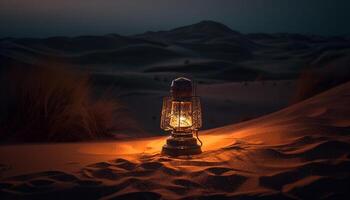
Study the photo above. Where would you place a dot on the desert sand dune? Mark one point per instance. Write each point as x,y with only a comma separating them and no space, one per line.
301,152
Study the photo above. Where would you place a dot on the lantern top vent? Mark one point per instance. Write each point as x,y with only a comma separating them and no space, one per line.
181,87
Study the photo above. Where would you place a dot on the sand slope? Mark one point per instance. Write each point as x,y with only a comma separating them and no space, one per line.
301,152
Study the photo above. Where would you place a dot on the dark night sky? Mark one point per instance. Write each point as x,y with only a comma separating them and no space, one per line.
42,18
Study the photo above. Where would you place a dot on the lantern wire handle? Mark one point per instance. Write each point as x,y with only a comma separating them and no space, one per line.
200,141
194,88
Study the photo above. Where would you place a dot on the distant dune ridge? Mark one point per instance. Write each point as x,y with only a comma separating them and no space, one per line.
204,40
300,152
271,56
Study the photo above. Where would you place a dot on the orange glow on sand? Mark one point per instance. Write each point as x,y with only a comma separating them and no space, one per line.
152,145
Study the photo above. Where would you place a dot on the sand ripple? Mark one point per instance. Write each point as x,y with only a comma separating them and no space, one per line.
292,154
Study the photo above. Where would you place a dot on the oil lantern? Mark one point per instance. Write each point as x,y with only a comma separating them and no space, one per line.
182,116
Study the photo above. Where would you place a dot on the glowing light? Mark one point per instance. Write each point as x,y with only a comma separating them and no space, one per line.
181,114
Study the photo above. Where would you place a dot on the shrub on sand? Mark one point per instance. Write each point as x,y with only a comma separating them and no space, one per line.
53,104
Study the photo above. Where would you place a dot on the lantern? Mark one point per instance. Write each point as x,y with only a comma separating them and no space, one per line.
181,114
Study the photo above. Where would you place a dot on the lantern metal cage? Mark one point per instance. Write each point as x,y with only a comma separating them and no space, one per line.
181,115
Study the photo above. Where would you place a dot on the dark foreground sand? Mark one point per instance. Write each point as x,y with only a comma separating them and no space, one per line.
301,152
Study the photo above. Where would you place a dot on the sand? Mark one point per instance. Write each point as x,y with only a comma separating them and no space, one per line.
301,152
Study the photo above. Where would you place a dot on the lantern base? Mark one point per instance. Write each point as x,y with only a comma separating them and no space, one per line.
180,146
